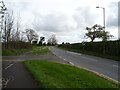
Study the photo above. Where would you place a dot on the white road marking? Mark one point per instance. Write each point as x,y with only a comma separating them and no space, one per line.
71,63
6,82
116,66
60,57
74,53
64,59
8,66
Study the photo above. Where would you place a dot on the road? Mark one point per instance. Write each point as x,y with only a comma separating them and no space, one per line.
104,67
14,74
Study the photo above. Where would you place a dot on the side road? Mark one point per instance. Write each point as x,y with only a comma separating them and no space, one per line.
14,73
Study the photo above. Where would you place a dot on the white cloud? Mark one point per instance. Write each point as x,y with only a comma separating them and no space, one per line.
66,18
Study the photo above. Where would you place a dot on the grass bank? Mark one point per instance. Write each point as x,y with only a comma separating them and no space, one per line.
9,52
56,75
40,50
35,50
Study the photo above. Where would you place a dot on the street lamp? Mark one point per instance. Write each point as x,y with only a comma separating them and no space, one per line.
103,15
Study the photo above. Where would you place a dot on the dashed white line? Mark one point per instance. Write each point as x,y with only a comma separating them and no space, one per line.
8,66
71,63
116,66
74,53
64,59
60,57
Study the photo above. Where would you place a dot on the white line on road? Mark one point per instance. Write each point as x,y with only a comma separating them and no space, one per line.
71,63
64,59
8,66
116,66
60,57
74,53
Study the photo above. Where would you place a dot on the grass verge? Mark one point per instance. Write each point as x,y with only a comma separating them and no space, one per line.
40,50
9,52
56,75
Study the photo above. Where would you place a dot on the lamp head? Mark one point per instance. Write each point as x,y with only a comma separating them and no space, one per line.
97,7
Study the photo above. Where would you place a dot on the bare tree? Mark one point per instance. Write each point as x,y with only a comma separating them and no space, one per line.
31,35
52,40
17,33
8,26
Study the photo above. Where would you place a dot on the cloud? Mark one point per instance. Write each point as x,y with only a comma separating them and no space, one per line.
54,22
66,18
85,16
112,15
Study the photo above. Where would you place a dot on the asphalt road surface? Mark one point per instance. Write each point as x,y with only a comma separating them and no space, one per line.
14,74
105,67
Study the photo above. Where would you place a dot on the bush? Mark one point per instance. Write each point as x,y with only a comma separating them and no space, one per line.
111,48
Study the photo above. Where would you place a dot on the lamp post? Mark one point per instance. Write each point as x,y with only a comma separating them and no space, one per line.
103,15
104,26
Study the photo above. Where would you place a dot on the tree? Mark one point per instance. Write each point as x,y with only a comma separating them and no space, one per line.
8,26
52,40
97,31
31,35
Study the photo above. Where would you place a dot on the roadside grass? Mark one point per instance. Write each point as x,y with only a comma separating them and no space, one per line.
35,50
40,50
9,52
56,75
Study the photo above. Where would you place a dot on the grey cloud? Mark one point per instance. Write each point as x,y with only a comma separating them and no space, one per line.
54,22
112,15
85,16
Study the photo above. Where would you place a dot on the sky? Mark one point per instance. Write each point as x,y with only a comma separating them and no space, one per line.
67,19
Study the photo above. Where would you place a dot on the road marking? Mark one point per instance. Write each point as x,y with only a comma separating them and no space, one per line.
74,53
64,59
71,63
60,57
8,66
116,66
6,80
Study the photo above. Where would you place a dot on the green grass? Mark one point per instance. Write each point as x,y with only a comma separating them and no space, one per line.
56,75
39,50
9,52
35,51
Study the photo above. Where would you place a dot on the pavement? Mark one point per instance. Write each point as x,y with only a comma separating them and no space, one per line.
106,68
